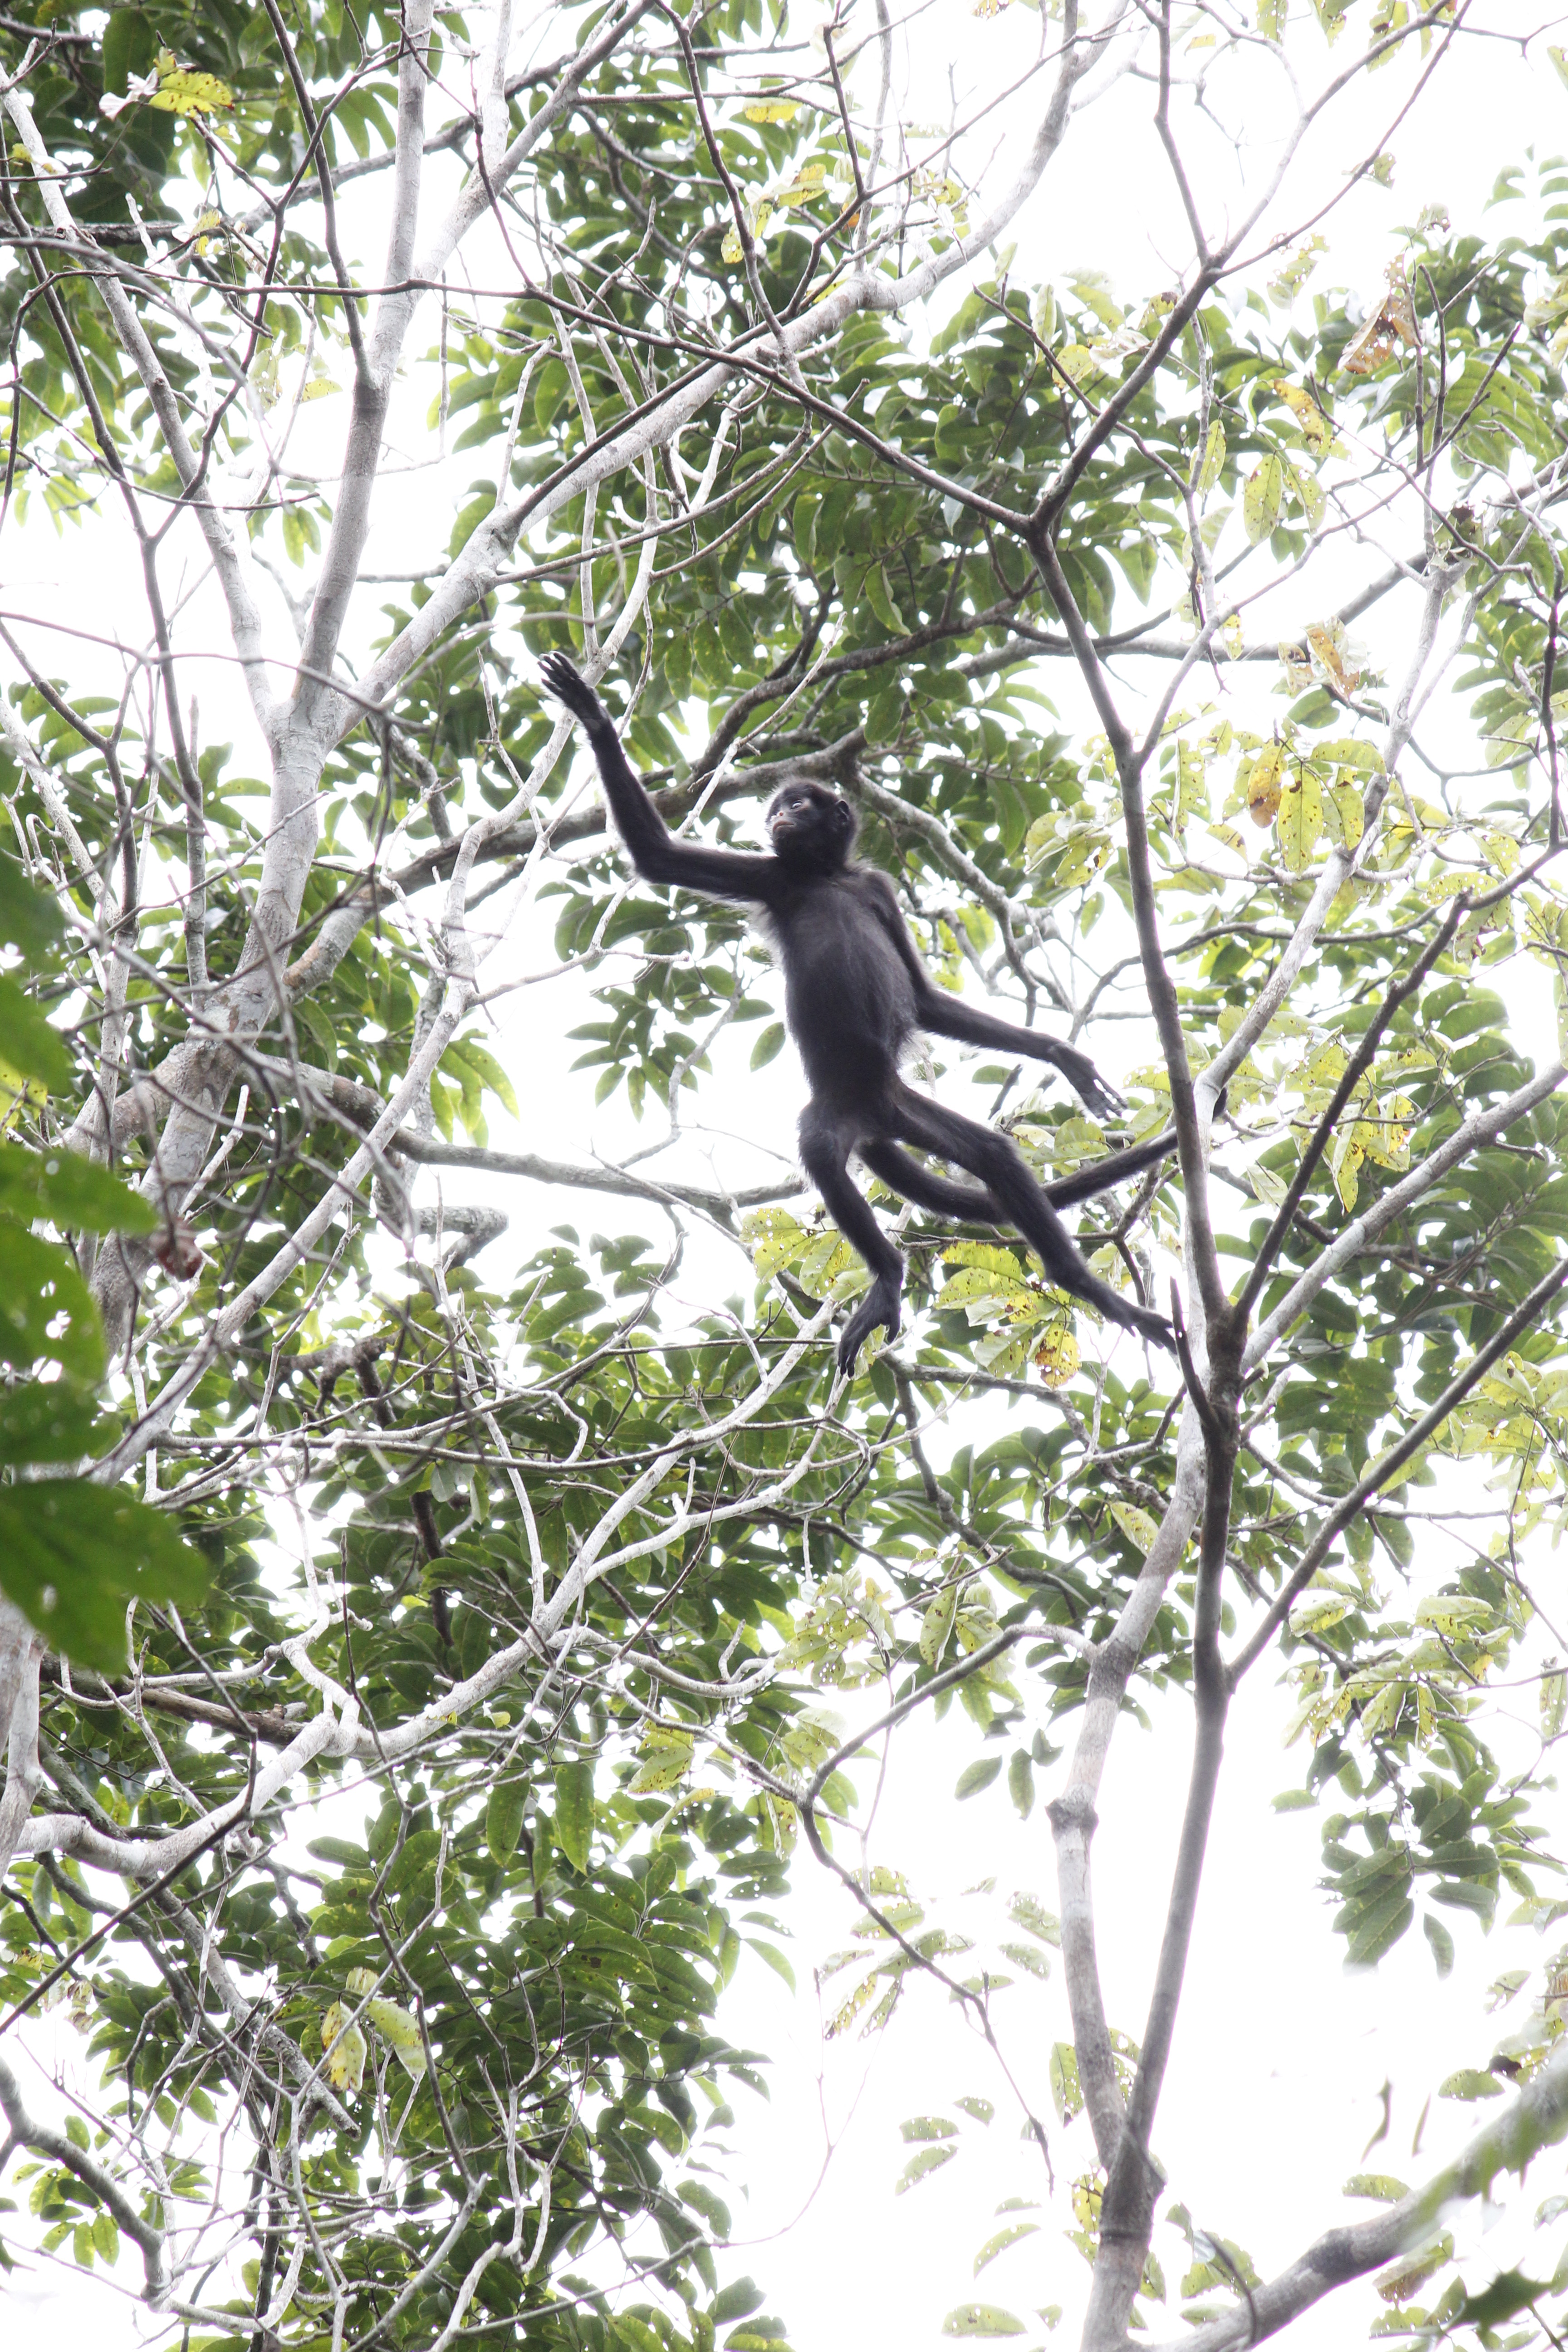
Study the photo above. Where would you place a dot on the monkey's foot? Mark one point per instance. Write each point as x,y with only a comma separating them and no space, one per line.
881,1303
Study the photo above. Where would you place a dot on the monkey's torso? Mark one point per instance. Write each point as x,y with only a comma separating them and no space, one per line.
850,993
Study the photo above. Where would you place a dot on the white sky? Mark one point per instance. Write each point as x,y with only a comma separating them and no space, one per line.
1279,2055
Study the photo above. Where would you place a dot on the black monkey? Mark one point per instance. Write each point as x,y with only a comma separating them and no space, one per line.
855,992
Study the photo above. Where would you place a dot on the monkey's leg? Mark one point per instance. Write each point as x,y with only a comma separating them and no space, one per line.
927,1189
826,1143
1003,1171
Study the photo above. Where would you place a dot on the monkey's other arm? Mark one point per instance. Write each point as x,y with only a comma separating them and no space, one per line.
653,850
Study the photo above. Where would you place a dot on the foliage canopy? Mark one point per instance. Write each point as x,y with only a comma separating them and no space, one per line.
1192,657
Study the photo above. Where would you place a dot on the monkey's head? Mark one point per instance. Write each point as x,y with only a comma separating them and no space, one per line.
812,830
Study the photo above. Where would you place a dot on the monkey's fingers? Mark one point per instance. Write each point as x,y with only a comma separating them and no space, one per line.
564,681
1085,1082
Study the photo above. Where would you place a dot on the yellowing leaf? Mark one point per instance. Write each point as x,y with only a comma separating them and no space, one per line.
400,2029
396,2025
1300,820
346,2043
1263,785
666,1757
1308,492
1315,1612
1394,322
772,109
18,1093
807,185
1260,498
320,387
1306,412
263,376
1213,457
1092,288
1077,363
1331,651
1135,1525
1454,1613
1057,1357
1343,814
1287,282
1298,667
182,93
774,1238
757,218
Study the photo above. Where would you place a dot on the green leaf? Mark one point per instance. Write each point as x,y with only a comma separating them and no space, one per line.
46,1313
1381,2185
73,1554
980,2319
937,1624
28,919
503,1820
28,1047
738,2301
1442,1943
879,596
1021,1781
47,1420
768,1045
70,1191
1469,2082
1067,2096
774,1959
929,2160
574,1812
977,1776
1510,2292
1001,2240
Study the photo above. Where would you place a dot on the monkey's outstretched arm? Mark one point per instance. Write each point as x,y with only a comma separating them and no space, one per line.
950,1017
651,847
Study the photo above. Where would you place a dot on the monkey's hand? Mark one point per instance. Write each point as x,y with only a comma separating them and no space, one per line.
564,681
1085,1081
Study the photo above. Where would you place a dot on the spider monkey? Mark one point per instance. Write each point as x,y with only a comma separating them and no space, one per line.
856,992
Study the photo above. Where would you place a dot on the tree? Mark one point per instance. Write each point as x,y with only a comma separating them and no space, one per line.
536,1575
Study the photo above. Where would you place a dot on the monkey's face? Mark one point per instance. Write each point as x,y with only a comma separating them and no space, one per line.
811,829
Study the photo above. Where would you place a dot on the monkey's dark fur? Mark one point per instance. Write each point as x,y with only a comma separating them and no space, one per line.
856,992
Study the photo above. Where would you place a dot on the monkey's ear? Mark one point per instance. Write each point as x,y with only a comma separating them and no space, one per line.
844,818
